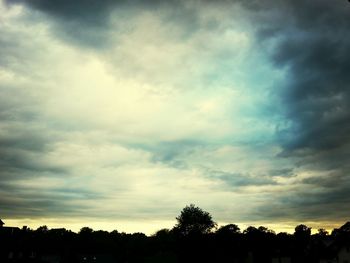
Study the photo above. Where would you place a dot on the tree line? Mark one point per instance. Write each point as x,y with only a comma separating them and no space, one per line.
194,238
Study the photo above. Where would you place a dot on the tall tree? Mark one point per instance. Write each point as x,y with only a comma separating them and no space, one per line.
193,220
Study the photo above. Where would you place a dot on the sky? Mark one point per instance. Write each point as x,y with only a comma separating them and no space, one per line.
118,114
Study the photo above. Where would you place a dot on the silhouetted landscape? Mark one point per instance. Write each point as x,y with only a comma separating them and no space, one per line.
195,238
116,114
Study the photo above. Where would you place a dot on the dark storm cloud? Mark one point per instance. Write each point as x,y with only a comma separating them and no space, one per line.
82,22
88,22
311,43
87,12
309,39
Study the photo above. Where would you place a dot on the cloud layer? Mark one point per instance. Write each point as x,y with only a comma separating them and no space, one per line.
129,111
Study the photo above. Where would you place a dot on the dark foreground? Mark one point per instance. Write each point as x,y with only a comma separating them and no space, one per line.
227,244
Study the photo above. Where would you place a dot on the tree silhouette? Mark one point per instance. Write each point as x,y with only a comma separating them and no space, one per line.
302,231
86,231
322,232
193,220
196,243
42,229
228,230
345,227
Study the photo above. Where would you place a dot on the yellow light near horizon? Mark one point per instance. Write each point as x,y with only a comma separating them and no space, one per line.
150,227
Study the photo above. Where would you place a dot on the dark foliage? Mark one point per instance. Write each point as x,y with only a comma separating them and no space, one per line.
189,241
193,220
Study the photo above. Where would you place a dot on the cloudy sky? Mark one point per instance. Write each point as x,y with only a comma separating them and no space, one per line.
117,114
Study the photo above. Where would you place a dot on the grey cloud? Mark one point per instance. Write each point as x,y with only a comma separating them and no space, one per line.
37,202
23,146
18,55
285,172
80,22
23,161
24,140
237,180
87,23
34,207
307,204
88,11
329,181
173,153
324,196
18,163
